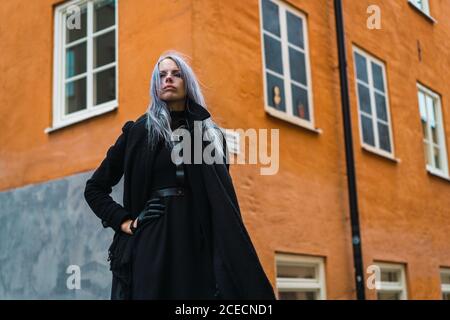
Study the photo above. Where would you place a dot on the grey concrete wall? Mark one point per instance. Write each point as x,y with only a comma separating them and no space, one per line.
44,229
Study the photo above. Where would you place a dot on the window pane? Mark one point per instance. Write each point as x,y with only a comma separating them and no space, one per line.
422,106
76,25
380,102
385,295
434,134
446,296
445,278
272,50
300,295
390,276
297,66
104,15
300,106
271,19
275,92
303,272
383,132
423,114
105,49
361,68
426,147
431,104
367,130
437,158
424,130
364,99
76,60
105,86
295,29
430,111
377,74
75,95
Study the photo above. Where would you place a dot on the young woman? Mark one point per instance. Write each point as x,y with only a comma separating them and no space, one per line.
179,233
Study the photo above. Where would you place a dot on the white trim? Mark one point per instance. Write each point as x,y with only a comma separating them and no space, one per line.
445,287
425,7
400,286
292,119
444,172
288,115
105,108
439,174
317,285
381,153
233,141
425,10
60,119
374,117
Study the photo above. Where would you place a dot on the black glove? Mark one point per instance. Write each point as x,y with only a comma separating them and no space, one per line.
154,208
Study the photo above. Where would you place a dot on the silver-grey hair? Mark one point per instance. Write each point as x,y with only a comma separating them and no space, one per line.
158,116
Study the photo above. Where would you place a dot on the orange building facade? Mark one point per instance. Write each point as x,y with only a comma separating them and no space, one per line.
263,64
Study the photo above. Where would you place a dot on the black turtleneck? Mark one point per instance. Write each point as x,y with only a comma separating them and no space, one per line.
178,118
164,170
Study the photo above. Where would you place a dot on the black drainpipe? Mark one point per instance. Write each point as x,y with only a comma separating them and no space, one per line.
350,163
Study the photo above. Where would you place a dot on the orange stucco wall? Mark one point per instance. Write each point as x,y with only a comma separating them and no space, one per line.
303,209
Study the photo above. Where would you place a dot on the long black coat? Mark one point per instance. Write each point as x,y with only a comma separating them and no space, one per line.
237,269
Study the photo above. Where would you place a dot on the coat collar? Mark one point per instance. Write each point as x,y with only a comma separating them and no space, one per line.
196,111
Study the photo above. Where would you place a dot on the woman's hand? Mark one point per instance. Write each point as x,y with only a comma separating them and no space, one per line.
126,226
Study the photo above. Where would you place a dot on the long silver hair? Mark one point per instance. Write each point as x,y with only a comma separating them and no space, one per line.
158,115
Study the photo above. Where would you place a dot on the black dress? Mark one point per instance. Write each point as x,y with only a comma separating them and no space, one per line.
171,257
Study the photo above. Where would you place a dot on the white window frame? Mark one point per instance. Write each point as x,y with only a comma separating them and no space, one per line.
445,288
288,114
423,6
61,120
382,286
233,140
423,9
440,131
375,149
299,285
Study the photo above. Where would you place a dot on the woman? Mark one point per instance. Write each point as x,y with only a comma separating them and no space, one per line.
179,233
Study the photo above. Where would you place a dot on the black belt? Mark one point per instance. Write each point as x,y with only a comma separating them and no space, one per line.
166,192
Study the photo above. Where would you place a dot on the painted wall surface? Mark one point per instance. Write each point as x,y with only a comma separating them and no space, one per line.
303,209
49,239
404,210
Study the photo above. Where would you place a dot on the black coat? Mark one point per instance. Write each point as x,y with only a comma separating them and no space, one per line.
237,269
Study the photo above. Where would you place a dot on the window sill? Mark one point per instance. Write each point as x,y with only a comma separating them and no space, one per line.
297,121
438,174
108,108
380,153
426,15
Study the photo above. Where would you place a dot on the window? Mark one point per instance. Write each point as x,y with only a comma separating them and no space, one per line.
373,104
422,5
287,79
390,282
85,60
300,277
445,283
433,131
233,140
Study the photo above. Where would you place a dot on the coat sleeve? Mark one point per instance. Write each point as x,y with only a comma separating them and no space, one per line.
99,186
